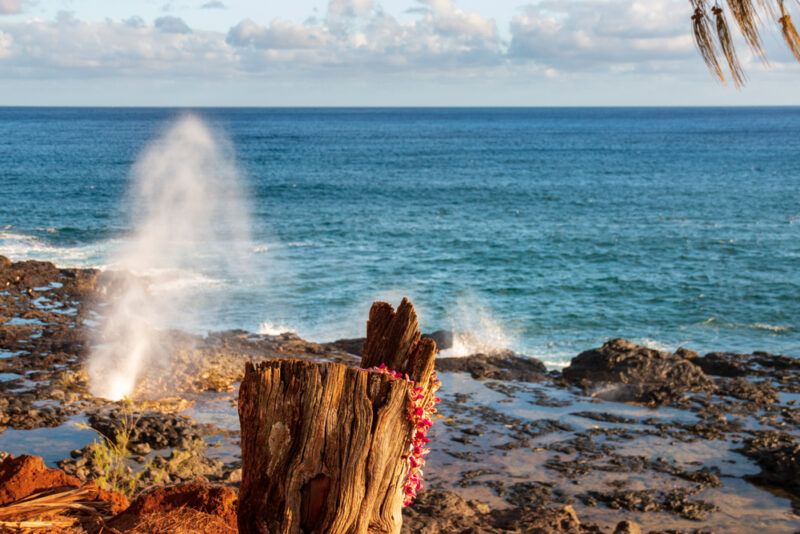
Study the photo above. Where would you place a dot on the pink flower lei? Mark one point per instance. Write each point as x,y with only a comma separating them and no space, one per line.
420,415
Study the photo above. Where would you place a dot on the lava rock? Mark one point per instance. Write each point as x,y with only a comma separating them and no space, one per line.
446,512
350,346
721,364
504,365
626,372
443,338
778,456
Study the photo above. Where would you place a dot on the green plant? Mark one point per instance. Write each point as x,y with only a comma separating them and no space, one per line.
110,456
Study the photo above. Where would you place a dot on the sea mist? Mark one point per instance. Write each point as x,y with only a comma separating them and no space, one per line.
190,229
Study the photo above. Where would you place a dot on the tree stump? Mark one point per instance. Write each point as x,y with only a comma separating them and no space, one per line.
332,449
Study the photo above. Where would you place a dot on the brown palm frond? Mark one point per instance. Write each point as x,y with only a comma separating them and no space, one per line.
746,17
704,41
725,43
789,32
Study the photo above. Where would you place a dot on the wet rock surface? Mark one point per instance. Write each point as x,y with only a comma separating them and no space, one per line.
671,442
503,365
674,501
778,456
625,372
157,430
440,512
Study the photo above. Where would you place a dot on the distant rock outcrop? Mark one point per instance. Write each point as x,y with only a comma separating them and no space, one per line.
503,365
626,372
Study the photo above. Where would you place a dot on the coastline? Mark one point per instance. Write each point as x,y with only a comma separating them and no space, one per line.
674,442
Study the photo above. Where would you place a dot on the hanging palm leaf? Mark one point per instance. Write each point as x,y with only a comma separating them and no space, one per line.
746,17
789,32
704,41
725,43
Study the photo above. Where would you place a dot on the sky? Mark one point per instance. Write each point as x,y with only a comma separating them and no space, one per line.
370,53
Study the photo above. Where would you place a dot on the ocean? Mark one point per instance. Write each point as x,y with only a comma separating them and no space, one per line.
547,231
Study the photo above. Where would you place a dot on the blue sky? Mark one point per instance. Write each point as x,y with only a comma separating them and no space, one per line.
366,52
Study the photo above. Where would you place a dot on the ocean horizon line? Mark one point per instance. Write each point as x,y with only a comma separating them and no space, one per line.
400,107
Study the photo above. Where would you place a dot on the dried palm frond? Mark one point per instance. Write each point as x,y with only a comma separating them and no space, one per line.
746,17
56,509
725,43
703,39
789,32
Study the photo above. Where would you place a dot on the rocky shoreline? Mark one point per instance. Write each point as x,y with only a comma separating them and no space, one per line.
667,442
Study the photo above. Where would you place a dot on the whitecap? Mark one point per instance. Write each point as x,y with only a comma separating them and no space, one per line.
772,327
268,328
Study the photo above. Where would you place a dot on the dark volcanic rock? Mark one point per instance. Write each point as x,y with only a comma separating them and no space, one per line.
720,364
443,338
778,456
504,365
156,429
445,512
675,501
350,346
636,373
761,393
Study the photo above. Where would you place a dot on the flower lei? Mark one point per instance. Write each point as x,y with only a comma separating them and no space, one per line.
419,414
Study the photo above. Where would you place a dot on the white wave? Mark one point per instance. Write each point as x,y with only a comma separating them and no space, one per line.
757,326
772,327
654,344
268,328
475,330
19,247
555,364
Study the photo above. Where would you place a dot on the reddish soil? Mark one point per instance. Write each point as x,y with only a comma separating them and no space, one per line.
24,476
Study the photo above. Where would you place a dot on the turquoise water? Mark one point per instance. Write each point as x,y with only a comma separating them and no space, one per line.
546,230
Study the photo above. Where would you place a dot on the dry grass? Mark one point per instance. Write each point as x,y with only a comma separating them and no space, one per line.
181,521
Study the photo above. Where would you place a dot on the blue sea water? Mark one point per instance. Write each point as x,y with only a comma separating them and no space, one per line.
546,230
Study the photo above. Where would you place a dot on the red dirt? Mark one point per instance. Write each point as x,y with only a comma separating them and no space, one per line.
23,476
119,502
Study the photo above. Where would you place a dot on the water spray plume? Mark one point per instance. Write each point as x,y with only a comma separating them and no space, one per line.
475,329
190,224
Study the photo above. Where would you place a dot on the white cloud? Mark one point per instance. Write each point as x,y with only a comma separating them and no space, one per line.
278,35
67,47
5,45
11,7
172,25
358,39
214,4
591,36
356,34
452,21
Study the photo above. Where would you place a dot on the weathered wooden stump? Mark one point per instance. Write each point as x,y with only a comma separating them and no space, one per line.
331,449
